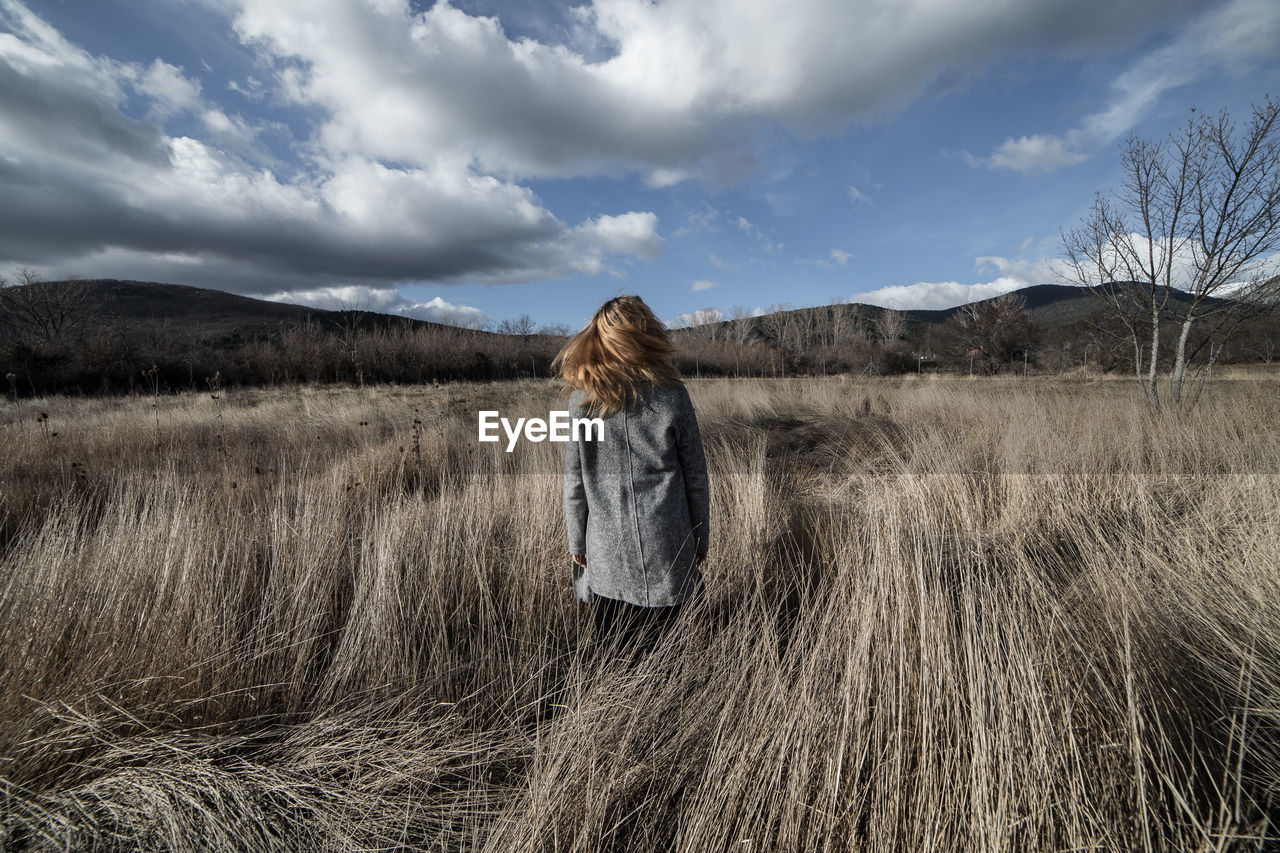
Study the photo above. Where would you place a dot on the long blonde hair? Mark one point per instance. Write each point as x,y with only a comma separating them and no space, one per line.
622,346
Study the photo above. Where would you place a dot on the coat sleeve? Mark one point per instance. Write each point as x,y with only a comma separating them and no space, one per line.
693,465
575,499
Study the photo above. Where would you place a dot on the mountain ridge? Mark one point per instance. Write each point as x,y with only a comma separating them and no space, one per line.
222,314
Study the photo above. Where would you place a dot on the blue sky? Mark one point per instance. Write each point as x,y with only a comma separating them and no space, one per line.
476,161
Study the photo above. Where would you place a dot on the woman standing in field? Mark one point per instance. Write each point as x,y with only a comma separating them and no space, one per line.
636,500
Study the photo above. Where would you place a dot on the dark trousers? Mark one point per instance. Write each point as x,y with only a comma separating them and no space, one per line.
633,627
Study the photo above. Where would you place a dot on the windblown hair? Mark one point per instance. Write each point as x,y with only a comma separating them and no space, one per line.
622,347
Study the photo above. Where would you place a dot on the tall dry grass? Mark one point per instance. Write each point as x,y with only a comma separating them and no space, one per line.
983,615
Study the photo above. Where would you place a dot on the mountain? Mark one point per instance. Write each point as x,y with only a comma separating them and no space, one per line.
1053,306
214,314
229,317
1050,304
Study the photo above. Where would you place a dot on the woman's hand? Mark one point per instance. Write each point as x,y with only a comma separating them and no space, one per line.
580,559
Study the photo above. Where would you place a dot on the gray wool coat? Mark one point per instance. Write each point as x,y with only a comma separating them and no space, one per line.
637,502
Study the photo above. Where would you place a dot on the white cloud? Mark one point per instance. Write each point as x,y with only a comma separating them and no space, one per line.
747,227
936,294
704,218
1039,271
700,317
169,89
1015,274
1184,260
702,284
1228,36
857,196
633,233
384,300
428,121
101,193
341,298
439,311
667,89
252,88
835,258
1031,154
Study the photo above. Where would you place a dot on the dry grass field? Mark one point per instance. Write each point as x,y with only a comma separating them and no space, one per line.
973,615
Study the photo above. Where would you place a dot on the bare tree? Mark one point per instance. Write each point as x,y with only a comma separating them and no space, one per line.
521,327
993,332
704,320
700,330
352,313
740,324
45,313
773,325
738,331
796,327
846,318
891,326
1186,242
555,329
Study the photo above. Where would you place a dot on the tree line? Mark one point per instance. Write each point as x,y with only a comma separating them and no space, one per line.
53,341
995,336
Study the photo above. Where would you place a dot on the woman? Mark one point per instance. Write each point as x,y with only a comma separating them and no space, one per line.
636,499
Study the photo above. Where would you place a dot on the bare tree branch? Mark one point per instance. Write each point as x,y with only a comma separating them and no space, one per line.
1189,237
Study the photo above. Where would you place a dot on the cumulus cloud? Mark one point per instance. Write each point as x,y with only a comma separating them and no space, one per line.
702,284
89,190
632,233
384,300
438,310
666,88
170,90
1013,274
427,122
937,294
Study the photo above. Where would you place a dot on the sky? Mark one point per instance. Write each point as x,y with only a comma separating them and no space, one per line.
476,160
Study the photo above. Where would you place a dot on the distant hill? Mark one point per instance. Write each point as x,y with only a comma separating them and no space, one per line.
191,308
1048,303
109,336
216,314
1052,305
